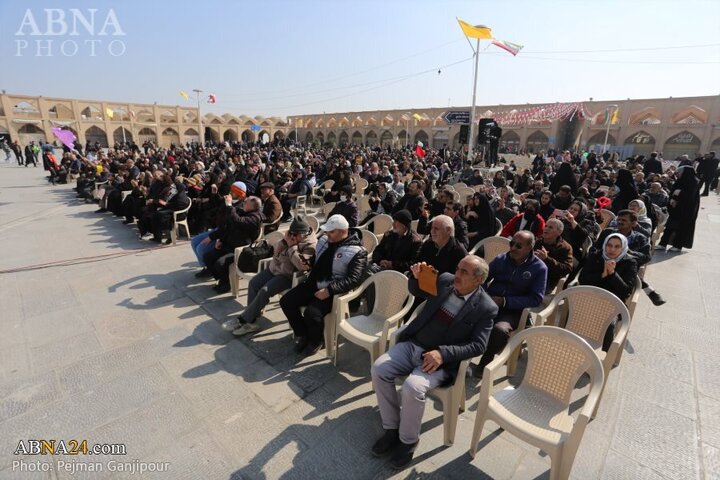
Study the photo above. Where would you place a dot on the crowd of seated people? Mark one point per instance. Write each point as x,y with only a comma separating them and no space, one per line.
551,212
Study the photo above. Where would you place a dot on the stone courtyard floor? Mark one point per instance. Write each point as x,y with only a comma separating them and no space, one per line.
128,349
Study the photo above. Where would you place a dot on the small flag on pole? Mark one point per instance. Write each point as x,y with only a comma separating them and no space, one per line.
478,31
513,48
615,117
109,112
132,114
184,95
67,137
211,98
417,116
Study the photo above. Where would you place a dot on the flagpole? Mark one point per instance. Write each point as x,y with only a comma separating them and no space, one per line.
471,141
200,133
607,130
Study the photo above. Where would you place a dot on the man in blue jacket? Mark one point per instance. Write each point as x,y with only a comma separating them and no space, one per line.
516,281
453,326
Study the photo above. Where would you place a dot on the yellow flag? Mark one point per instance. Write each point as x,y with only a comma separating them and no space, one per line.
109,112
480,31
615,117
184,95
417,117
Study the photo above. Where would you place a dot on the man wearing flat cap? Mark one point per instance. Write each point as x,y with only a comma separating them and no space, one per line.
339,267
272,209
294,253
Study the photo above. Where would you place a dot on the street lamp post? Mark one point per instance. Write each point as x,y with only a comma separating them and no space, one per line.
200,133
607,130
471,141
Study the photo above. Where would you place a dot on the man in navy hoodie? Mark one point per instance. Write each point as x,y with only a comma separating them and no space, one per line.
516,281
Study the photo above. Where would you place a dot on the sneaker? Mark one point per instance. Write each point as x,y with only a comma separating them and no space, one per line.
246,328
403,455
231,324
656,299
386,443
675,249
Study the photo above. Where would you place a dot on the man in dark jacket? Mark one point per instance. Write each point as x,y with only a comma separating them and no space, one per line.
454,326
241,227
652,165
346,207
707,171
413,201
516,281
340,266
398,248
442,250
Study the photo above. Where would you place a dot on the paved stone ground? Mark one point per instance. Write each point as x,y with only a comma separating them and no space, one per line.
130,350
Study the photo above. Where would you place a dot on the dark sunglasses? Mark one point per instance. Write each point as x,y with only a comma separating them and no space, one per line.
517,245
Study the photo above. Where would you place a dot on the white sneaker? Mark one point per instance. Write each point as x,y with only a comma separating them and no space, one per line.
231,324
246,328
675,249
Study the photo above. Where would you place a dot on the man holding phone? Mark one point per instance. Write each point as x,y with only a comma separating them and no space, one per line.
454,325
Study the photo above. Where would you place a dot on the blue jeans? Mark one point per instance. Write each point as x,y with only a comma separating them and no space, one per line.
200,250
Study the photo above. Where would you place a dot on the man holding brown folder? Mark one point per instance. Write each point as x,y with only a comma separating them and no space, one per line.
454,325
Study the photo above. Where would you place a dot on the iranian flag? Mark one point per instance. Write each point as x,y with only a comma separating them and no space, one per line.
513,48
420,150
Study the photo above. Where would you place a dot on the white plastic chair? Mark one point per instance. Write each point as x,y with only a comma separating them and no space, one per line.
607,217
360,185
363,205
369,241
372,331
499,226
327,208
452,396
300,204
537,411
177,223
588,311
493,246
381,224
312,222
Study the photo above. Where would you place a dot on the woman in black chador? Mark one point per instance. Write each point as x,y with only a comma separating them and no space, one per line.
683,209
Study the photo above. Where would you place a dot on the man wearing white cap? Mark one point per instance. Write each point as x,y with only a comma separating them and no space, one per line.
340,266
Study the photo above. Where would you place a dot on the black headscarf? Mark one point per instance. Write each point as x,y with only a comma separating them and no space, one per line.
564,176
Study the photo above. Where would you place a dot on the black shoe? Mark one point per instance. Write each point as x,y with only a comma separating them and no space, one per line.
300,344
403,455
386,443
204,273
656,299
168,241
314,347
101,210
222,288
156,239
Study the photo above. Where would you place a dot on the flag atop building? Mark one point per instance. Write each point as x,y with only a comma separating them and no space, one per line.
477,31
184,95
513,48
109,112
211,98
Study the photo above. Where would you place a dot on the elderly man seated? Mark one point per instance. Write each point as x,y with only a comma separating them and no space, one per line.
442,250
340,266
294,253
454,325
557,254
516,281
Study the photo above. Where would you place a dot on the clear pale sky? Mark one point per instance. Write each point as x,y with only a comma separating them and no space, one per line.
283,57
